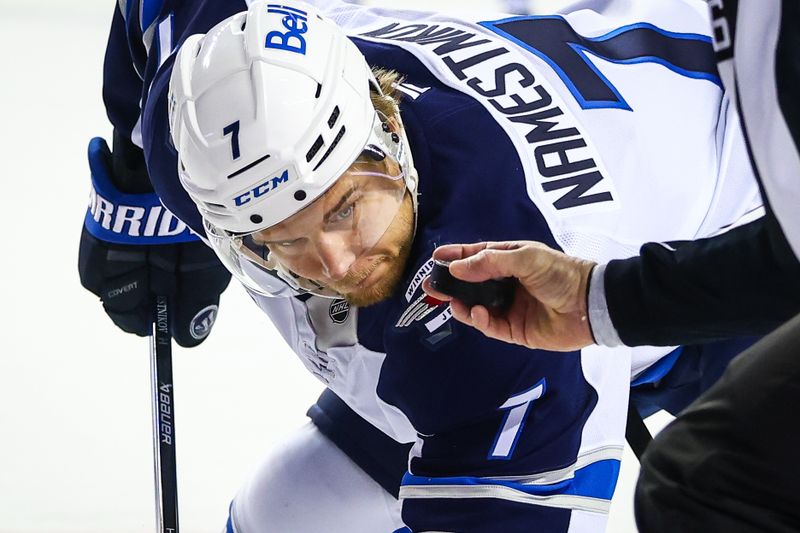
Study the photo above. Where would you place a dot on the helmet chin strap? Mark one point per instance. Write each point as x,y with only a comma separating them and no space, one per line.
411,177
406,160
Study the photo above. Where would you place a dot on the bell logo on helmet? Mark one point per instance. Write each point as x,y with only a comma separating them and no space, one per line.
295,22
260,190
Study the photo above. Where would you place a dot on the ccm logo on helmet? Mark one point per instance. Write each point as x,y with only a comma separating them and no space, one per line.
295,22
260,190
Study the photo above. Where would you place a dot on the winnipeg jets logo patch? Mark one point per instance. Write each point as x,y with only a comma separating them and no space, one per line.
431,312
423,306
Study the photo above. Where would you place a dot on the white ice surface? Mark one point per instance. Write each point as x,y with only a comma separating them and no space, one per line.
75,429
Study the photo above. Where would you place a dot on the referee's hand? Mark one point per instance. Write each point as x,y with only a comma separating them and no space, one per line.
549,308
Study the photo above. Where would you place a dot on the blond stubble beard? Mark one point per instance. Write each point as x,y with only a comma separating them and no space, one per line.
399,235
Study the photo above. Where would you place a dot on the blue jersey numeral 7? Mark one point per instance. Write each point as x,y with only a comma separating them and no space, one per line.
233,131
552,39
517,410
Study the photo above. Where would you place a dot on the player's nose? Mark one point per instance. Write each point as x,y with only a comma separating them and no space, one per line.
335,256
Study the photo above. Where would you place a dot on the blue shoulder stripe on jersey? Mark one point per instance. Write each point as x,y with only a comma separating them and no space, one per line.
659,369
121,218
597,480
149,12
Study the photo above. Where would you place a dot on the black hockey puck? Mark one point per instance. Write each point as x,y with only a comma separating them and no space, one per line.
494,293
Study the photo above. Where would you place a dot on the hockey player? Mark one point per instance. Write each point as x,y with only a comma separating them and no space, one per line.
582,130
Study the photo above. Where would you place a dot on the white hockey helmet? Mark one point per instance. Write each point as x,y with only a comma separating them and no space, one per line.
267,111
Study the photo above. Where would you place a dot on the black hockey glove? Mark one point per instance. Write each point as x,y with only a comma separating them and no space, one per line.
133,248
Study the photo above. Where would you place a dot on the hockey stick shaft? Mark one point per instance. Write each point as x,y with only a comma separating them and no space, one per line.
166,479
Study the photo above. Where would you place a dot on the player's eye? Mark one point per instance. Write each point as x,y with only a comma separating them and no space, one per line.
344,213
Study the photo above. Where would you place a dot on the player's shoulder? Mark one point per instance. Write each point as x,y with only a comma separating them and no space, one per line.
420,89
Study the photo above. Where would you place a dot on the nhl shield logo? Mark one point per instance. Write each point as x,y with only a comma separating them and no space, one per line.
339,311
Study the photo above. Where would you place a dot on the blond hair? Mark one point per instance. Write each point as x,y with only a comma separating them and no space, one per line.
388,80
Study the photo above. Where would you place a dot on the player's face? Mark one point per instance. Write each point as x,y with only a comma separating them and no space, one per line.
354,239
